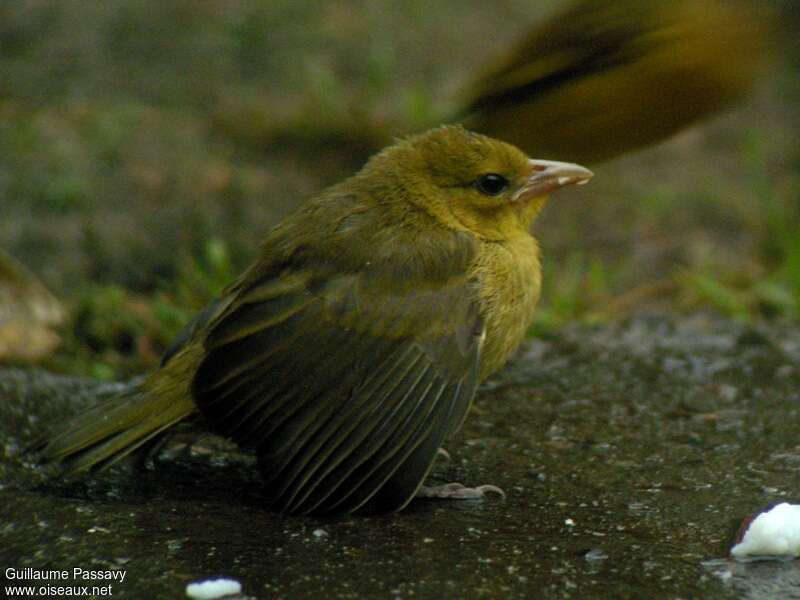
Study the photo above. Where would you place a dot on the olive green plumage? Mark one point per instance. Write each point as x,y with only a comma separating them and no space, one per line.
352,347
605,77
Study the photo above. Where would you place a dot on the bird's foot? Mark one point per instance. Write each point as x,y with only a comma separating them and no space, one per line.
457,491
147,457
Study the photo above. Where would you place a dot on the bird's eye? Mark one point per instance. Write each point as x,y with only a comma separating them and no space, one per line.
491,184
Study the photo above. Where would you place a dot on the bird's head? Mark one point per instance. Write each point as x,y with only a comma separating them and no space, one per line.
471,182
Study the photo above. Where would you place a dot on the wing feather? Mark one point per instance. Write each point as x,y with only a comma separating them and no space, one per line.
343,380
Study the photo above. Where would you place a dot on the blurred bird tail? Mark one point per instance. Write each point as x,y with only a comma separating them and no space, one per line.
113,430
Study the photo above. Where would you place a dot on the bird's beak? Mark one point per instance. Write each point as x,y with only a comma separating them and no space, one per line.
548,175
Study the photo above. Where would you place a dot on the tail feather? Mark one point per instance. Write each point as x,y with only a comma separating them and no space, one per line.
113,430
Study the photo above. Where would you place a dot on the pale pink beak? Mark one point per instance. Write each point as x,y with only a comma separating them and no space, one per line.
548,176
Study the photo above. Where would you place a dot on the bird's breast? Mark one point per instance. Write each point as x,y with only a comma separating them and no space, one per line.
508,274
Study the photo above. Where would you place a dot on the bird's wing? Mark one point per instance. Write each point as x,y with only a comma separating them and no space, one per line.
345,381
586,39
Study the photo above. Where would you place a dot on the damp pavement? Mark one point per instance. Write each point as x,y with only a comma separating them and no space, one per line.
630,455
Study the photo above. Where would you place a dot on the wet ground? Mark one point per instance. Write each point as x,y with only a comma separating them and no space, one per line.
630,454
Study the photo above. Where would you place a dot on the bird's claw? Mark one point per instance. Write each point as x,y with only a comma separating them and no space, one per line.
457,491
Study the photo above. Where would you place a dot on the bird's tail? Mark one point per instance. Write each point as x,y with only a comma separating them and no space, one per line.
111,431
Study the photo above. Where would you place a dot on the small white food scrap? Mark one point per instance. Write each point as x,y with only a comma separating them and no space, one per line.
210,589
772,533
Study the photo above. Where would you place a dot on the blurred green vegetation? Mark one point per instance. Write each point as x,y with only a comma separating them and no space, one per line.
145,148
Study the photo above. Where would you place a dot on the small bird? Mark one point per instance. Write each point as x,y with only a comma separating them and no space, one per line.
349,351
605,77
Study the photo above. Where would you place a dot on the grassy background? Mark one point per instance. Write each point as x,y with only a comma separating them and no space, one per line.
145,147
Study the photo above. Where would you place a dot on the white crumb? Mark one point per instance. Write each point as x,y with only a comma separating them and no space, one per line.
210,589
772,533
